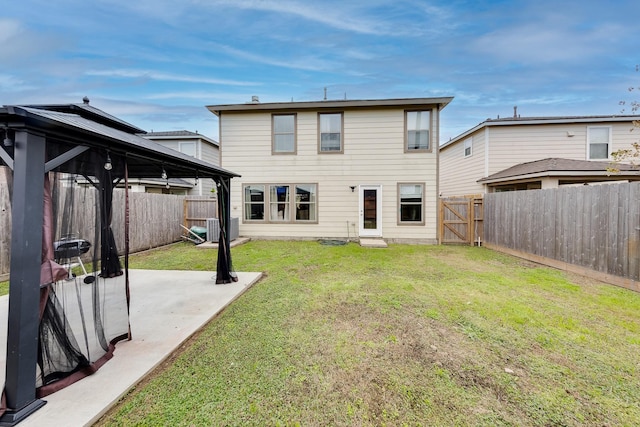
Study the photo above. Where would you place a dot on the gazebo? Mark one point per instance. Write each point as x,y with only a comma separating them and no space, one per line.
79,140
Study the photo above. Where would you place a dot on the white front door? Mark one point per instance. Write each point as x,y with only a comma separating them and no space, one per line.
370,211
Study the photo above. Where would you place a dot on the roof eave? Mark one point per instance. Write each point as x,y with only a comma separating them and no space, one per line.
540,121
546,174
439,103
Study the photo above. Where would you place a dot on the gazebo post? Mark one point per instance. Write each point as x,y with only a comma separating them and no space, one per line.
24,287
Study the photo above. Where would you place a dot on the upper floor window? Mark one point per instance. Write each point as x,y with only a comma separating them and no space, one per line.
330,130
411,201
189,148
417,136
599,142
284,133
468,145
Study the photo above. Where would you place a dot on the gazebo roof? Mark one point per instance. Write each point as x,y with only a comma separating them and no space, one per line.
74,126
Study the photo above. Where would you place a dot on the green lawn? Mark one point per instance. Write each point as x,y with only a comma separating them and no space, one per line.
409,335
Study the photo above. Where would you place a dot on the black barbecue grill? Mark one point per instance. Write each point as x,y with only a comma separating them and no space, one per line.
67,248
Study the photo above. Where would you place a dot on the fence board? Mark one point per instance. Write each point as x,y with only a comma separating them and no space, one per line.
596,227
154,220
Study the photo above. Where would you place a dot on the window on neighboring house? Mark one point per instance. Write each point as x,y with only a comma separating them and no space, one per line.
284,133
254,199
417,135
599,142
411,201
189,148
283,203
330,129
468,143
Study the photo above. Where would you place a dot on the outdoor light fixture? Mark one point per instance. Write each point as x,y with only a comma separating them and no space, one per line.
196,178
164,174
353,188
8,142
107,165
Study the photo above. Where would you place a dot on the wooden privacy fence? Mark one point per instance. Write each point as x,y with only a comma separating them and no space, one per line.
196,211
461,220
595,228
154,220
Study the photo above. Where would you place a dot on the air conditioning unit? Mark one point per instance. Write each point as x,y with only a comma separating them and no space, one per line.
213,229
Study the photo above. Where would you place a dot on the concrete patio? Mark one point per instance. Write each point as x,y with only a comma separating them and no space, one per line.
167,307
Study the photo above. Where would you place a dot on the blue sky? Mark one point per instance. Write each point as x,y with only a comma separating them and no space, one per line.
158,63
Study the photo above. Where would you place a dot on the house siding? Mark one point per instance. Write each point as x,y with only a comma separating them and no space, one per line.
513,144
204,151
373,143
456,168
211,154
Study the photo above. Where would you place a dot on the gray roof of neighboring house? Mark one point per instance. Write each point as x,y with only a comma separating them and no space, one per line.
440,102
518,121
561,167
178,134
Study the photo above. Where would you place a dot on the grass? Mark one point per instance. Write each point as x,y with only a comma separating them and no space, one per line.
409,335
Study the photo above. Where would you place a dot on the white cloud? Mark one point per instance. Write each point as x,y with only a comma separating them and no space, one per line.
9,83
154,75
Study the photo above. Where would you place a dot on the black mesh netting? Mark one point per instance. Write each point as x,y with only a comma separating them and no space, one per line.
84,289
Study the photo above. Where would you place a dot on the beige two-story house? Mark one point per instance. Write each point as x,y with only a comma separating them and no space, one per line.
348,169
520,153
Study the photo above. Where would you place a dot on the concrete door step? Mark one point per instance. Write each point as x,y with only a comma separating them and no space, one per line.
372,243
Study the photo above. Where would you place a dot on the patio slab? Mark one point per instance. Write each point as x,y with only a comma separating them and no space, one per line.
167,307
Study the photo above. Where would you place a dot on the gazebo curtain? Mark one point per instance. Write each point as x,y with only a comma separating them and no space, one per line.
224,270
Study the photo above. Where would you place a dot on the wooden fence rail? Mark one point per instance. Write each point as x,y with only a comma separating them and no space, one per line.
154,220
595,227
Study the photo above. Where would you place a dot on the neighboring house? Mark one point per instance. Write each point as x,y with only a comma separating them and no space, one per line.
334,169
192,144
535,152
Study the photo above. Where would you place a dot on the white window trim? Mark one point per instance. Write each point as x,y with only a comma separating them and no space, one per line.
195,143
610,143
470,146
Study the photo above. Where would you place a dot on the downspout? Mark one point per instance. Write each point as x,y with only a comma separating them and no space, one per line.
486,156
437,150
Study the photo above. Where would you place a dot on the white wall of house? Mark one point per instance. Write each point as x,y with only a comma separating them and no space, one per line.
204,150
373,154
456,168
499,147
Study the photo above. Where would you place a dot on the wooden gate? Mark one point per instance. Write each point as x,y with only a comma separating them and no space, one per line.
461,220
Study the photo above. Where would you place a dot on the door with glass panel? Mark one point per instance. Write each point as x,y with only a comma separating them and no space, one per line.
370,211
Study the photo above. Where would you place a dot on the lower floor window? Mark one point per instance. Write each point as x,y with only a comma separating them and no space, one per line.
284,203
411,201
